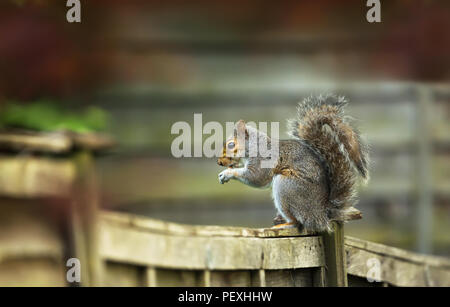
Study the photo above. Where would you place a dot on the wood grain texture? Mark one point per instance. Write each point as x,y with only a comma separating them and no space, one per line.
58,142
185,255
33,272
163,227
84,217
397,267
27,232
36,142
123,275
397,253
131,246
31,248
28,176
235,278
177,278
335,257
182,249
289,278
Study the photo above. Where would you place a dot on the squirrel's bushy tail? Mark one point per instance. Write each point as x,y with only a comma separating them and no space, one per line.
322,125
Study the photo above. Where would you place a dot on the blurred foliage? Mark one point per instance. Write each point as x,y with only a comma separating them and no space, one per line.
46,115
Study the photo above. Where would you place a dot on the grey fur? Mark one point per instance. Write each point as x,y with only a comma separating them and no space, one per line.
313,182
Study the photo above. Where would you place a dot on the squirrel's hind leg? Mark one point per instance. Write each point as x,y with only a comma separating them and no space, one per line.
278,220
301,202
284,218
280,223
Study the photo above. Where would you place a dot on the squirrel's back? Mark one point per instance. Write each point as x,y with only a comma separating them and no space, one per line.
323,127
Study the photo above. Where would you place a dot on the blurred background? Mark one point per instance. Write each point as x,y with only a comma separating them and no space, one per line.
136,67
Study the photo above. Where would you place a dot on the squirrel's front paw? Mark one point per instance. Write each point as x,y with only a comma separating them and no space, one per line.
225,176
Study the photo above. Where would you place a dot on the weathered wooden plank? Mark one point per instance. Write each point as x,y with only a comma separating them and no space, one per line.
296,252
303,277
279,278
127,244
177,278
158,226
238,278
397,253
27,232
59,142
31,245
397,268
294,261
122,275
27,176
37,272
42,142
396,272
289,278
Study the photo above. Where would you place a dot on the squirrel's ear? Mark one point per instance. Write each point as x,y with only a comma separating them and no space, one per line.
241,129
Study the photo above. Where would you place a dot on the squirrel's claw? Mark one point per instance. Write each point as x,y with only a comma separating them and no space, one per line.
224,177
284,225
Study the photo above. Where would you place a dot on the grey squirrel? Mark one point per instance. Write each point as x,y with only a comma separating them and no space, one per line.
313,180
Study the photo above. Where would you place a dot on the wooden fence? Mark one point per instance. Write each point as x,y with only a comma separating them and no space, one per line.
49,212
134,251
171,254
145,252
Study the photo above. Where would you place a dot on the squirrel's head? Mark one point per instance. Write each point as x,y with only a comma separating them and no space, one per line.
234,146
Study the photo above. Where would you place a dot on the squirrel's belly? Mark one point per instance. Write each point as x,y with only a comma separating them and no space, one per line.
276,194
277,183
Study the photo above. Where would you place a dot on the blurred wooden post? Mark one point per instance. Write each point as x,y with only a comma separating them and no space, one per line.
424,205
335,257
63,173
84,219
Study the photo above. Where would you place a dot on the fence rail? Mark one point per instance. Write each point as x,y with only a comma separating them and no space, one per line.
142,251
131,250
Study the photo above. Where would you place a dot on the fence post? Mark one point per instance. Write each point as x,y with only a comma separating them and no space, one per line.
335,257
424,188
84,220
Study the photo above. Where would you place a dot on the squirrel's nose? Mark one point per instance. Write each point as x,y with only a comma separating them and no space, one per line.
219,162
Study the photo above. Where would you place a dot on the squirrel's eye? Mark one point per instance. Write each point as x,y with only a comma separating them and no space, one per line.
231,145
